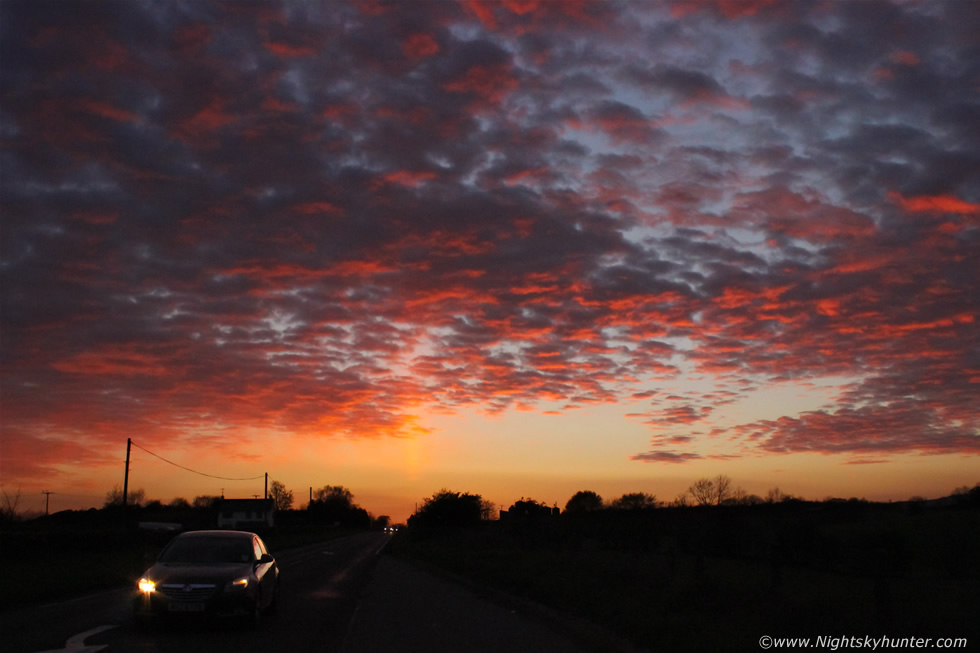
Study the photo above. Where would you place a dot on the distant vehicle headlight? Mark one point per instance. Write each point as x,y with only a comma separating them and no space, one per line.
146,585
238,584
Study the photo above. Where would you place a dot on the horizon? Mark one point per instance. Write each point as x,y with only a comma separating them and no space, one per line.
515,248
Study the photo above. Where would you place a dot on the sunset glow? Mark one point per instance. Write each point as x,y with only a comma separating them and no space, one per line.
517,248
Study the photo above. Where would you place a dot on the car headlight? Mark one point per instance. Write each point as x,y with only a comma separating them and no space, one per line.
238,584
146,585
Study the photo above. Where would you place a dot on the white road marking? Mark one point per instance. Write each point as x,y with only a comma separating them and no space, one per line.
76,643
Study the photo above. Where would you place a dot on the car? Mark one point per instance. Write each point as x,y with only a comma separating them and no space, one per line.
212,574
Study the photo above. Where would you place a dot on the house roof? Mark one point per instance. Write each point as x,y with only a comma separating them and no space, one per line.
246,504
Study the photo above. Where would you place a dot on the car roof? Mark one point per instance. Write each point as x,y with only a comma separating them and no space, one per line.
219,534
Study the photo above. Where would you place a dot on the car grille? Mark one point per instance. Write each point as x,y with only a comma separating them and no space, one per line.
189,592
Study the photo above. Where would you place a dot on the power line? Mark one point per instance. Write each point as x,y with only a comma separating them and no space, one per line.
223,478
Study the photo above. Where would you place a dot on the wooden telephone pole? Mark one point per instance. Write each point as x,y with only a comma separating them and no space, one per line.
47,497
129,445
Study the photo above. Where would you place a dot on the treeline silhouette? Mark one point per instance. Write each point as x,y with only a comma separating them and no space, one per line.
842,534
720,566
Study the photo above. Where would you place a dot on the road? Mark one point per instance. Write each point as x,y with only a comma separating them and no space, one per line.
320,588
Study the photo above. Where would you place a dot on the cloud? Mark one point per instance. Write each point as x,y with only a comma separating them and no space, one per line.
665,457
321,221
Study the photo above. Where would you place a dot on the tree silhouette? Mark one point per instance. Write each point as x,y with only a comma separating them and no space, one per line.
114,497
335,504
528,509
334,494
775,495
281,497
712,492
635,501
448,509
179,503
488,510
584,501
204,502
9,509
723,489
702,491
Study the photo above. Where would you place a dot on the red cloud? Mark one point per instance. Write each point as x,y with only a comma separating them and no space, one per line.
116,361
107,110
207,120
318,208
934,204
491,83
407,178
905,58
288,50
418,46
484,11
730,9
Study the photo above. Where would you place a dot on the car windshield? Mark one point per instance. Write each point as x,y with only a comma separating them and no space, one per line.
203,550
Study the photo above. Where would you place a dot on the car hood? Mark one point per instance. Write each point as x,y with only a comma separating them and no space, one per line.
168,572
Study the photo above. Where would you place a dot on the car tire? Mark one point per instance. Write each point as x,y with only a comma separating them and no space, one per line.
255,616
142,623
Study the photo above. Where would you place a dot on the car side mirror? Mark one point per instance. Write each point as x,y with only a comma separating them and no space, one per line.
266,559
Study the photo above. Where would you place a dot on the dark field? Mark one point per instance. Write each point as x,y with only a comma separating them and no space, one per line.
719,578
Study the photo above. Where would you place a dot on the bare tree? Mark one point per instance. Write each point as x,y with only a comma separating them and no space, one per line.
9,508
703,491
179,503
488,510
281,497
114,497
723,489
775,495
204,502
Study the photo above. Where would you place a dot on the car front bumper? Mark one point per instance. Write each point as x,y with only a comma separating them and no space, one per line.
193,602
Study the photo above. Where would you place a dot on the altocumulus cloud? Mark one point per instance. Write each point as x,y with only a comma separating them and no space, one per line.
318,217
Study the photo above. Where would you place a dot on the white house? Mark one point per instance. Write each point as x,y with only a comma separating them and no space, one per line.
246,514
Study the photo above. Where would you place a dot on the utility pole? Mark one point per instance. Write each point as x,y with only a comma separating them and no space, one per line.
267,485
129,445
47,498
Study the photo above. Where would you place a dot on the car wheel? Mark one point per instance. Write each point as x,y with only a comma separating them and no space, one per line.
142,622
255,617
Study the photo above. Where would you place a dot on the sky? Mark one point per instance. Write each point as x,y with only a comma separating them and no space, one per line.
516,248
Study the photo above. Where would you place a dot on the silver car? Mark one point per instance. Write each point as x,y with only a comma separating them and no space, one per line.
210,573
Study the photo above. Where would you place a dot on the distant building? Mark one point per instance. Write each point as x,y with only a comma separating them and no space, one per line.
246,514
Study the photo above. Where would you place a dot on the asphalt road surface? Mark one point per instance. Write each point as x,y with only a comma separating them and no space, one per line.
321,584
